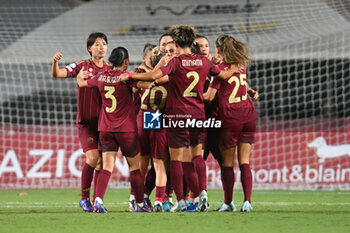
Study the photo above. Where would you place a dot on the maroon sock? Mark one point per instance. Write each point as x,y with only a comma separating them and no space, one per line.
191,177
136,184
160,193
86,179
185,188
176,175
169,190
150,181
201,169
132,191
247,181
102,183
97,172
228,180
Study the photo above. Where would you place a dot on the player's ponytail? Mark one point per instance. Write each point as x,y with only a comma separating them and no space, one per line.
118,56
235,52
148,47
156,55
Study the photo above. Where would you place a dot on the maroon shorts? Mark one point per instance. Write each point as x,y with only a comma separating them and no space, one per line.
184,137
159,144
88,136
127,141
153,141
238,132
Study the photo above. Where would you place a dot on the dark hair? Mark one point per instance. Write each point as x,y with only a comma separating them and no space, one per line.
195,48
183,35
118,56
156,56
148,47
93,37
161,37
201,36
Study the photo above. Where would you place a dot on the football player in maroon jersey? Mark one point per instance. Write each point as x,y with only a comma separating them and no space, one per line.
149,178
238,117
153,141
187,74
89,103
117,126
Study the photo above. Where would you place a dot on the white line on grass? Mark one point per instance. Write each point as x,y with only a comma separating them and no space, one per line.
115,204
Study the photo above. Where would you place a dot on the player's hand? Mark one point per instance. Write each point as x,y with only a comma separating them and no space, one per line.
210,57
216,59
165,60
57,57
253,94
83,74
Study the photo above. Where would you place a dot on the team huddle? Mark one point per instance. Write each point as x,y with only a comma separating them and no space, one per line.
181,81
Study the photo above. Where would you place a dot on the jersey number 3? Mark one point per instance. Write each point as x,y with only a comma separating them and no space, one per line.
109,95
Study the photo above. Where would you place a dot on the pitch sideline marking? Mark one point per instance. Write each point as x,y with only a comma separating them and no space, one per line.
114,204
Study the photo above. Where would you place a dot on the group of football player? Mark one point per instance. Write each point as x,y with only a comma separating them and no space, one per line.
186,85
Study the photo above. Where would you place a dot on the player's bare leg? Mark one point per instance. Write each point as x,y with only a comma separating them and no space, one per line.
244,151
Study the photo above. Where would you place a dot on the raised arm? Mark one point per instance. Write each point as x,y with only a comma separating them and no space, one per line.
55,69
228,73
148,76
81,78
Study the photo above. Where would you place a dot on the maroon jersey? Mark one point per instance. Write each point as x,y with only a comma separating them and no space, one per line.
154,98
117,111
187,74
89,100
234,103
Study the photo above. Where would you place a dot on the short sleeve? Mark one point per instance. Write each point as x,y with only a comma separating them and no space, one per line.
216,83
169,68
73,69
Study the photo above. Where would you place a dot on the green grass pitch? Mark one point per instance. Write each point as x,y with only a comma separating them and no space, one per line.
274,211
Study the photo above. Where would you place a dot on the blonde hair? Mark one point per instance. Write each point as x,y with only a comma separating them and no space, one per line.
183,35
233,51
156,55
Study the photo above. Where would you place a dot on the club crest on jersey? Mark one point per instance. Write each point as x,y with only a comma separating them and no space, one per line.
152,120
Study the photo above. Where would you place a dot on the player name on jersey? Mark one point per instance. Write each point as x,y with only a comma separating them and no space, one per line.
197,62
109,79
